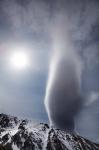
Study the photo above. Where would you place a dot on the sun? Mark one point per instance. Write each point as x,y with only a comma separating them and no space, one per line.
19,60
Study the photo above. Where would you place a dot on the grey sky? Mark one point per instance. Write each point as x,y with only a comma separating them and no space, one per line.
32,24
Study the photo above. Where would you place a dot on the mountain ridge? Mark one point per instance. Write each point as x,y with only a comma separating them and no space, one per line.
21,134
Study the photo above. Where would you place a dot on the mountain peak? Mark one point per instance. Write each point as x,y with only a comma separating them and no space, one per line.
18,134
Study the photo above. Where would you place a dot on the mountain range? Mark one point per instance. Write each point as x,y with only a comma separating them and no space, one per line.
21,134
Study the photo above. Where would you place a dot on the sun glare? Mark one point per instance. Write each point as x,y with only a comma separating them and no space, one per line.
19,60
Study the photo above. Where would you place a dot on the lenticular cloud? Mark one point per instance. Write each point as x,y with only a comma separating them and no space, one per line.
63,93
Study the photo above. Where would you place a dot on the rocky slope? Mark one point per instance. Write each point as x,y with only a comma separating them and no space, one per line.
18,134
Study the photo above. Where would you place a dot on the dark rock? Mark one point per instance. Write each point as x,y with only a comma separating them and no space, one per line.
20,134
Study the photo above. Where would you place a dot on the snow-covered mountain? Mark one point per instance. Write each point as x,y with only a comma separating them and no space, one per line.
20,134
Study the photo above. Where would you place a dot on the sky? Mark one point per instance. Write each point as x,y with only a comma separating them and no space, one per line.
43,29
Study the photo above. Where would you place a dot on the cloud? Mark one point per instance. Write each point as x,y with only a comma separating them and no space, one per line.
32,16
63,98
91,98
72,26
68,30
27,23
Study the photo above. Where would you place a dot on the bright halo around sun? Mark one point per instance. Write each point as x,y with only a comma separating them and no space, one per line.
19,60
